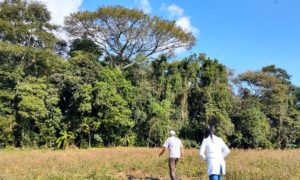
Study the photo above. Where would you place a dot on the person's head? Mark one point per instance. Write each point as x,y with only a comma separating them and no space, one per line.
172,133
210,131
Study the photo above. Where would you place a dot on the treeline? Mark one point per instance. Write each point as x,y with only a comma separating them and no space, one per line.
114,85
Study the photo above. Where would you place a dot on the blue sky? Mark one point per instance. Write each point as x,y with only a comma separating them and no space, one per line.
242,34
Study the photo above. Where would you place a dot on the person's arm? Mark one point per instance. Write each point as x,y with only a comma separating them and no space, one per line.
162,151
181,151
165,146
202,150
225,149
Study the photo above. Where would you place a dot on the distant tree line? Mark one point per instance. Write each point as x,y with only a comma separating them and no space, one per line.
114,85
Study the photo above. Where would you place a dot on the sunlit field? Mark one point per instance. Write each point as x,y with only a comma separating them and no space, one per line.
142,163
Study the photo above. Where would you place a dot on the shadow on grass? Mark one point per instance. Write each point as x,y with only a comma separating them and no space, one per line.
130,177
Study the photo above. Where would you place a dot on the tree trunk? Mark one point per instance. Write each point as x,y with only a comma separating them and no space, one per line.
148,141
89,140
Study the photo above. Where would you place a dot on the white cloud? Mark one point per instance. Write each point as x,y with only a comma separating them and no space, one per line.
61,8
144,5
175,11
185,23
180,50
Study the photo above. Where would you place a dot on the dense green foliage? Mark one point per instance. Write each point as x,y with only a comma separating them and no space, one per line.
86,100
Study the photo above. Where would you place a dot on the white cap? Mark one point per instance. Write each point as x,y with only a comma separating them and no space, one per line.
172,133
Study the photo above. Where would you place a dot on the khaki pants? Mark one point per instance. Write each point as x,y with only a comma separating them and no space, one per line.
172,168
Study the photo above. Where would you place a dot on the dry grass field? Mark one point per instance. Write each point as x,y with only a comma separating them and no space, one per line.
143,163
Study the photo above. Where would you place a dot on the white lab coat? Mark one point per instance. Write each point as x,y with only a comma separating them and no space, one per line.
216,150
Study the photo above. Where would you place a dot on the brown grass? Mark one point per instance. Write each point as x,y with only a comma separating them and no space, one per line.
143,163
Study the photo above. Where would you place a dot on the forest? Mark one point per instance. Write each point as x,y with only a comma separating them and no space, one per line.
116,82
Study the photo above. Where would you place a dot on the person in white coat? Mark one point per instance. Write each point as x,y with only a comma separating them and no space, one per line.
213,150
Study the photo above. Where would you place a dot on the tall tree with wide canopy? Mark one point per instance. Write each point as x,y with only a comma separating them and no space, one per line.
123,33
